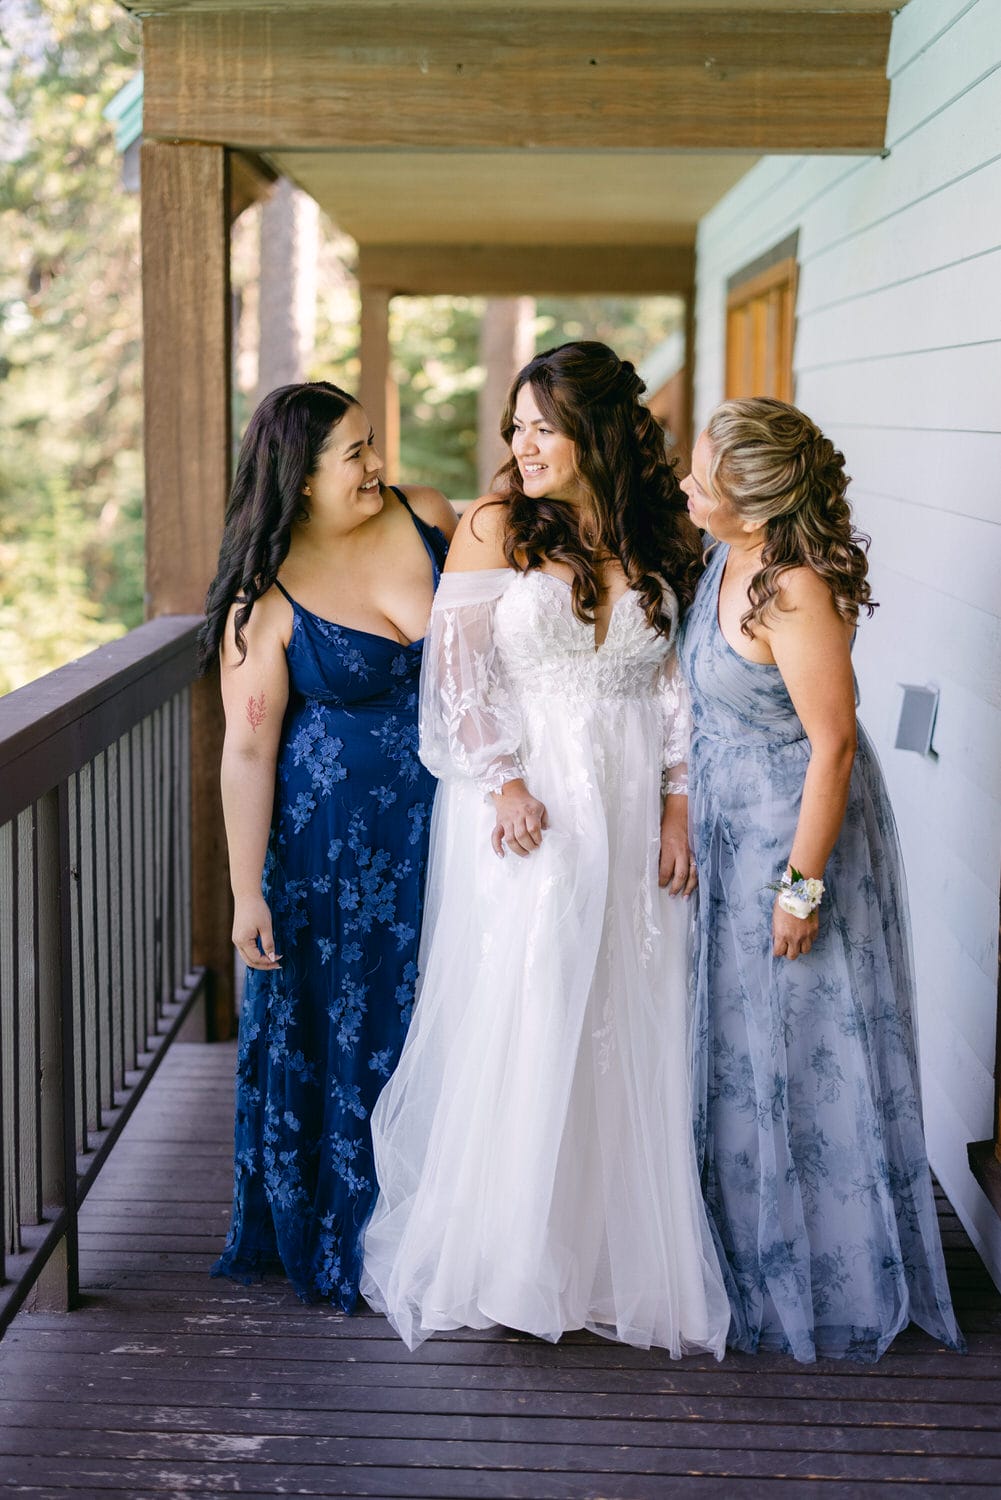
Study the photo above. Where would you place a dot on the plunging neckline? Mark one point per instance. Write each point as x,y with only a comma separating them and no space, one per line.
769,666
372,635
627,593
420,526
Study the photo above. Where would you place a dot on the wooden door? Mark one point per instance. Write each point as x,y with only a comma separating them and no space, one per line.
760,320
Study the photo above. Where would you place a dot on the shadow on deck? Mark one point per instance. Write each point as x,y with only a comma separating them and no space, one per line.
167,1383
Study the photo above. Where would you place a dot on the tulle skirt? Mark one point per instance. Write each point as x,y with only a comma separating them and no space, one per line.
534,1148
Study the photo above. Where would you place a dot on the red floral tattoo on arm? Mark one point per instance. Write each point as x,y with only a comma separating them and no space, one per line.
256,711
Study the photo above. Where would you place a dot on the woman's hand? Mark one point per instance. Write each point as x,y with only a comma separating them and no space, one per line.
252,921
521,819
678,871
791,935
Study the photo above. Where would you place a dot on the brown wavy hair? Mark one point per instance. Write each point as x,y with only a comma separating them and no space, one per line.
777,469
635,512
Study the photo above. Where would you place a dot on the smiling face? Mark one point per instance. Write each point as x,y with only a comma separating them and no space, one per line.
717,516
344,489
545,457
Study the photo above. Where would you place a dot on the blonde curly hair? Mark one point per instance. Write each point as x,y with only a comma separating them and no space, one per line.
779,471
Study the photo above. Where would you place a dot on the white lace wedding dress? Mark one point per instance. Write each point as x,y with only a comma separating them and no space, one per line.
534,1147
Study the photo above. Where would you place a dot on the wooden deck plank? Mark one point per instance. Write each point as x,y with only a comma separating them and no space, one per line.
411,1484
171,1405
204,1463
25,1425
169,1383
273,1381
454,1352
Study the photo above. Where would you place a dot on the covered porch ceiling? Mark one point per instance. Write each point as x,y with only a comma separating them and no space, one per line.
497,146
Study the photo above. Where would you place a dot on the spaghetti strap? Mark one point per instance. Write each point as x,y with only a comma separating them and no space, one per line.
283,590
427,533
401,496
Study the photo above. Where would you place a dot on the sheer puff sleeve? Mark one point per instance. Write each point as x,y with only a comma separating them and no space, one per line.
677,718
470,725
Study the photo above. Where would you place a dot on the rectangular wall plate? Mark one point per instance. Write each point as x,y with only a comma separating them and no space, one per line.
917,718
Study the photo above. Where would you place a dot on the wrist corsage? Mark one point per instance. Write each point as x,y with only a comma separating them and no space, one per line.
799,896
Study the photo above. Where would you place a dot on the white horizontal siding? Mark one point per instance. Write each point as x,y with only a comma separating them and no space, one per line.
955,472
952,388
919,27
963,56
949,642
898,357
944,308
952,144
955,557
947,227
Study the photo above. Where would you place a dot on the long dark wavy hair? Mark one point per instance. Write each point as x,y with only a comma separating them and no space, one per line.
281,448
635,512
777,469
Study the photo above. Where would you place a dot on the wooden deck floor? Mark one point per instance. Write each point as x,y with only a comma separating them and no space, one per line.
168,1384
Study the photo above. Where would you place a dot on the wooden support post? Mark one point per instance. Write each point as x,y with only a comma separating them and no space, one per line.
507,343
687,434
188,440
377,389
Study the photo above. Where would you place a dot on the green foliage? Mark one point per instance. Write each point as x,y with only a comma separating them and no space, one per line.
71,482
436,352
70,341
632,326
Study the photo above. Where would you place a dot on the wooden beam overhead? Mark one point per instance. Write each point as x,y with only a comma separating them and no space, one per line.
507,7
418,76
511,270
251,180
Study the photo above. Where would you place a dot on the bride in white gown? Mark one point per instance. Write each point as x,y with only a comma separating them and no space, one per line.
534,1147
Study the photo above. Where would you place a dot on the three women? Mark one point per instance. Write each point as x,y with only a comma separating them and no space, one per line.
534,1147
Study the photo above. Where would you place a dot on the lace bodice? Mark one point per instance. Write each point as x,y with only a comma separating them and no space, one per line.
504,646
546,651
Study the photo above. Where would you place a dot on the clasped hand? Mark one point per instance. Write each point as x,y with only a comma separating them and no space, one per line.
521,819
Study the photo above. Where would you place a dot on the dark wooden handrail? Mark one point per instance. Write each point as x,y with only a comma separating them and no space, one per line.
96,974
52,727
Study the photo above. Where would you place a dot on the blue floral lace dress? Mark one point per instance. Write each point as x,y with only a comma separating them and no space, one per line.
815,1171
344,877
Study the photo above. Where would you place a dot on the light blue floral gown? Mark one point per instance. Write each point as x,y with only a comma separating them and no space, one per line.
815,1171
344,877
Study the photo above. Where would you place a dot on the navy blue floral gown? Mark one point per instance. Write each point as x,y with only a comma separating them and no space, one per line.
344,877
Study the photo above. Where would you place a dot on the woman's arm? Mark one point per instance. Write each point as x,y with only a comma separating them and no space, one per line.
254,695
480,719
677,866
810,644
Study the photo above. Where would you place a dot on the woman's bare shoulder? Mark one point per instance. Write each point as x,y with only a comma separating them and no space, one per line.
479,537
801,590
265,633
431,505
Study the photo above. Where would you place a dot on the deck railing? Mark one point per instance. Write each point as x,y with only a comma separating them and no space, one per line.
95,929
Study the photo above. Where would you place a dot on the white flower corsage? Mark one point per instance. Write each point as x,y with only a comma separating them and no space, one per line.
798,895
